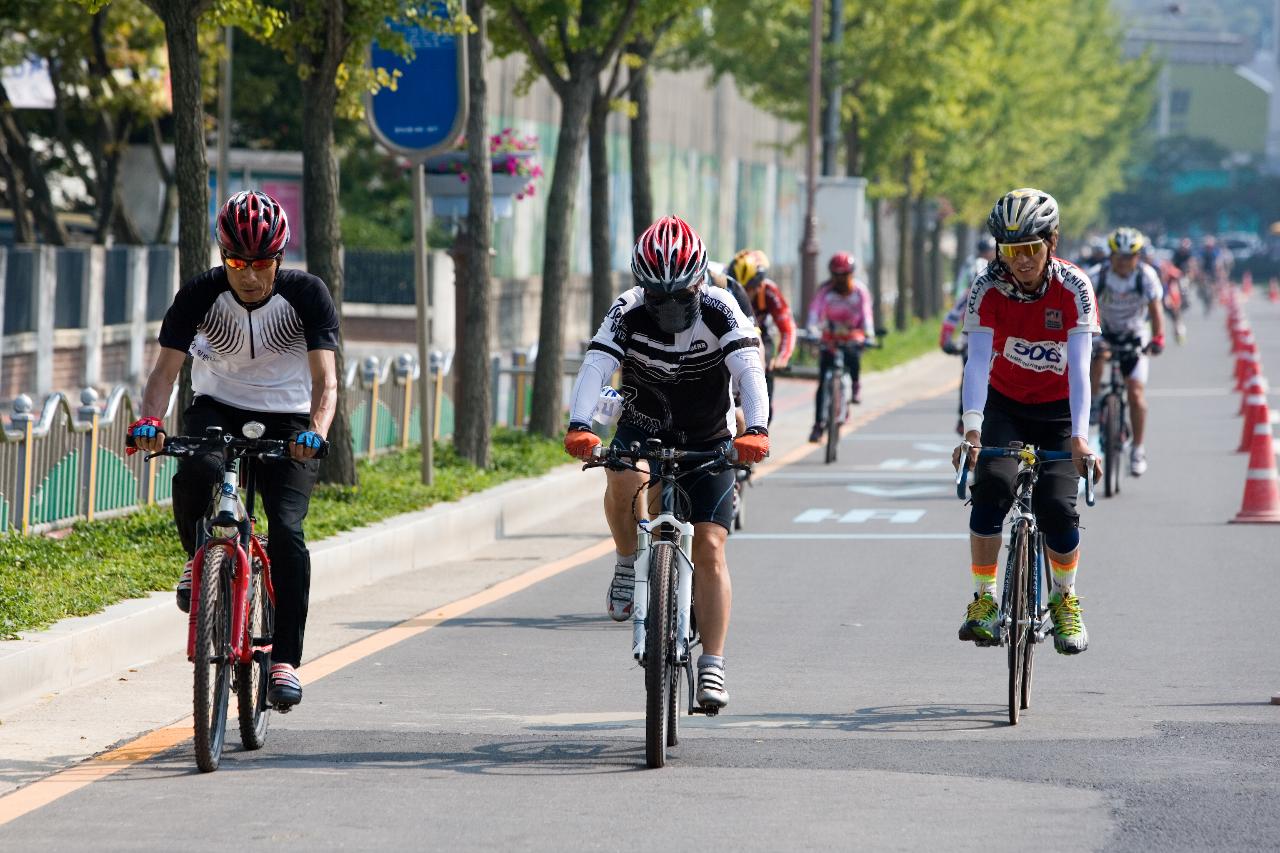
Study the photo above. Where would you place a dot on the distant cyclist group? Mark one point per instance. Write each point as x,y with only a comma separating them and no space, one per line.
698,345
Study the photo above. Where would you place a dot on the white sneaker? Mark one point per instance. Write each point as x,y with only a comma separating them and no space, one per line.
1137,462
711,692
621,591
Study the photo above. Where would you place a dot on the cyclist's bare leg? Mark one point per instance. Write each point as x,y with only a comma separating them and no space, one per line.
712,591
1137,410
620,490
984,550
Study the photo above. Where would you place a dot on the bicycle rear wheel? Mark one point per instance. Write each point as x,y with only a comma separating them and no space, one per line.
835,407
212,659
1112,445
659,652
1017,636
251,678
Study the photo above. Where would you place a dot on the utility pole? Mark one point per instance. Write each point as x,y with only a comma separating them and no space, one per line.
809,245
831,123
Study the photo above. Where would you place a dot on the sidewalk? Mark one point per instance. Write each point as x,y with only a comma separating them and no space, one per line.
62,728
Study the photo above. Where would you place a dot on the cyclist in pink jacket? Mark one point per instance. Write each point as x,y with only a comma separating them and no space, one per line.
841,313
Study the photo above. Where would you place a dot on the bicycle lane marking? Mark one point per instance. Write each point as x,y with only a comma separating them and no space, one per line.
44,791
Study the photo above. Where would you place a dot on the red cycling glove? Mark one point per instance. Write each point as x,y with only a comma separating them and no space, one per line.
751,446
579,443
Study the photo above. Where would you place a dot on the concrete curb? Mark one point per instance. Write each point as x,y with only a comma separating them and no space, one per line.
76,651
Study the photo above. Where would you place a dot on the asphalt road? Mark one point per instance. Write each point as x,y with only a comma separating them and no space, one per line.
857,719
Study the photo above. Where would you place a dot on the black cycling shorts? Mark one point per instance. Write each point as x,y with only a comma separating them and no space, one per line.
710,495
1048,427
1122,348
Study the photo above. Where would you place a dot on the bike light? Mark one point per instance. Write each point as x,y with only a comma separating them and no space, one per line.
253,429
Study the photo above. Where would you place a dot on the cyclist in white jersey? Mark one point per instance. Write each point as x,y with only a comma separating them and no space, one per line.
1129,297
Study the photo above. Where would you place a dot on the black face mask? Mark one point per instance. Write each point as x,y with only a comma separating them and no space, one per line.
674,312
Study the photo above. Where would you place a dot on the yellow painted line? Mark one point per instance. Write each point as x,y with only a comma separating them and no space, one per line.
51,788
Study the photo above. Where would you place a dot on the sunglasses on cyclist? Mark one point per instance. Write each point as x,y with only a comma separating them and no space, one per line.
258,264
681,297
1029,249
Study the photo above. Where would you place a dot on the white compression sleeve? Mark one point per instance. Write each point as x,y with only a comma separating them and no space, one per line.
1079,353
594,374
747,370
977,372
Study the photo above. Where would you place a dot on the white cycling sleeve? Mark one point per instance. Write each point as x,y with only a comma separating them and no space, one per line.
1079,353
977,372
597,367
747,370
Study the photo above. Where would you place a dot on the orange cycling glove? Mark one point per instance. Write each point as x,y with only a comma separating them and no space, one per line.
752,445
579,443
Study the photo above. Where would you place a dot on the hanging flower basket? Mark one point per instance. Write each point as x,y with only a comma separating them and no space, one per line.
513,165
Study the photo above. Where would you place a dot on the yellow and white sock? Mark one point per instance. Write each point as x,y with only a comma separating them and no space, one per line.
984,579
1064,573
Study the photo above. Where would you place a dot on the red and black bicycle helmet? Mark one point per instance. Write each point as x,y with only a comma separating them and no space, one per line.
252,225
841,263
670,263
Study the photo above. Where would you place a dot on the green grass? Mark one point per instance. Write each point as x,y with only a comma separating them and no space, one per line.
98,564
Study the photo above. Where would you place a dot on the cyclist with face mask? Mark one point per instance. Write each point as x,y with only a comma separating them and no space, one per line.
679,341
841,313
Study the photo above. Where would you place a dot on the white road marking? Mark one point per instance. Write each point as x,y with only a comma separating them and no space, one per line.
868,536
897,492
930,447
915,464
895,436
878,477
818,515
813,516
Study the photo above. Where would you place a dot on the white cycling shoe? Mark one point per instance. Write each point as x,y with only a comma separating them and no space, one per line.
1137,462
622,590
711,691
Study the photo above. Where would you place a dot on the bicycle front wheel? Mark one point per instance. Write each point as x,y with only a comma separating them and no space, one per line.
251,678
212,659
835,407
1112,446
659,652
1016,611
1032,609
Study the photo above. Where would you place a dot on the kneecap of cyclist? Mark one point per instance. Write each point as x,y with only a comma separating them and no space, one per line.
262,340
680,343
1030,320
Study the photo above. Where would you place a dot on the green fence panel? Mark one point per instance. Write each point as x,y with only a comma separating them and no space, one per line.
388,435
165,470
55,498
116,486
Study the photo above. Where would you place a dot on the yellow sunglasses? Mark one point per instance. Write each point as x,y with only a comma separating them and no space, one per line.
1029,249
240,263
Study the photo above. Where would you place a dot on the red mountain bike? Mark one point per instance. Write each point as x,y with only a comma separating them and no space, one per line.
232,599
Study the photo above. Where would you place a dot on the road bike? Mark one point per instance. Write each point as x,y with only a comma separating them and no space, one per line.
1114,428
229,627
664,629
1024,613
836,389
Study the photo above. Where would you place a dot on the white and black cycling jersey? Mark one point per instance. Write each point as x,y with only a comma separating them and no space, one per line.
1123,300
255,357
676,386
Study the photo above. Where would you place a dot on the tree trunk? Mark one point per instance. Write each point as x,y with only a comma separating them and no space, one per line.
902,307
575,106
191,170
919,263
324,242
877,266
471,394
32,175
853,147
170,203
16,192
641,170
601,224
937,288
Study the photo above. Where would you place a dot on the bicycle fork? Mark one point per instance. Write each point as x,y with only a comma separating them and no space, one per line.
684,587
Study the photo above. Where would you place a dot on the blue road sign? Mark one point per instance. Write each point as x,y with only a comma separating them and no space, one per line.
428,108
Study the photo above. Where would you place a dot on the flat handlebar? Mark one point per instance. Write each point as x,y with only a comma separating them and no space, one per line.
260,448
621,457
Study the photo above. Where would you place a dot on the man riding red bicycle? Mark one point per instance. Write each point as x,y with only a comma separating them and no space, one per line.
262,339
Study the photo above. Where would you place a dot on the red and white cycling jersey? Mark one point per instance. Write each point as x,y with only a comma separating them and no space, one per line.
1029,353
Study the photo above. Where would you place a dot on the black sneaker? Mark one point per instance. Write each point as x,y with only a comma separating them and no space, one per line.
815,434
284,689
183,592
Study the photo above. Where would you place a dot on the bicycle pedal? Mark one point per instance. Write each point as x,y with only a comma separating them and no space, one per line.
706,711
281,708
987,643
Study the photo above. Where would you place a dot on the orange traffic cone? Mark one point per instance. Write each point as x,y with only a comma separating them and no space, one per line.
1255,412
1273,292
1247,367
1257,384
1241,338
1261,503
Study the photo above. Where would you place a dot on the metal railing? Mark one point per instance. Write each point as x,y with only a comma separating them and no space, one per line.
66,464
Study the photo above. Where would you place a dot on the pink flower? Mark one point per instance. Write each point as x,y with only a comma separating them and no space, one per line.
462,176
511,165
